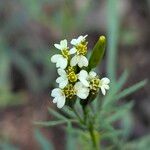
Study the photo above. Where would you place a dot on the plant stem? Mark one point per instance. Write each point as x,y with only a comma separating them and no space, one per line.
89,124
93,138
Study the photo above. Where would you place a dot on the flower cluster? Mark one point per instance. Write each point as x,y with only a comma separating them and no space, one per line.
74,80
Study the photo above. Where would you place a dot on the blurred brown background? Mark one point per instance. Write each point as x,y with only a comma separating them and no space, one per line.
28,30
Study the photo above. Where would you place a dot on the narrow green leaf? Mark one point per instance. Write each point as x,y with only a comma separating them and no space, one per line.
49,123
68,112
113,24
114,89
131,89
97,53
139,144
120,112
56,114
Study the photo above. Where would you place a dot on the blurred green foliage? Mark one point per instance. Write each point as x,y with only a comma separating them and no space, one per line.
107,111
23,46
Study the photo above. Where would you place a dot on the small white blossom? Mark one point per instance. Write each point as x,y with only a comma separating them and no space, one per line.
61,60
86,77
81,50
63,79
59,97
104,85
79,60
81,91
77,41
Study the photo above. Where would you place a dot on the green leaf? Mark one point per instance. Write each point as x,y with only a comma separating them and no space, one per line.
119,113
56,114
98,52
131,89
113,24
49,123
109,98
42,141
139,144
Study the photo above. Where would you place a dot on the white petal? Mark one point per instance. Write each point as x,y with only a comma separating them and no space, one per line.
74,42
59,79
74,60
61,101
81,90
62,63
103,90
55,58
80,39
73,50
63,83
56,92
58,46
62,72
85,36
106,86
55,100
83,75
105,80
63,44
82,61
92,74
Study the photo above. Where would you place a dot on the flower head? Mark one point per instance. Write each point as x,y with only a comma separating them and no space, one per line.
66,77
68,92
79,40
60,95
92,81
104,85
61,60
80,47
74,81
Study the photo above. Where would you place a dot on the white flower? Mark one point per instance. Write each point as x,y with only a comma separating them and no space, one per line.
63,79
59,97
79,60
86,77
81,49
77,41
61,60
81,91
104,85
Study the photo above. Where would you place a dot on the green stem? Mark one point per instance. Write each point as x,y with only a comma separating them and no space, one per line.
93,138
89,124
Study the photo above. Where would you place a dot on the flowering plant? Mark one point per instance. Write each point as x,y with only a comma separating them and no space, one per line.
75,79
89,112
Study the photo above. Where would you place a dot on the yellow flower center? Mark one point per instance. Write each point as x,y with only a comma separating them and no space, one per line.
70,69
82,48
69,91
65,53
72,77
94,85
